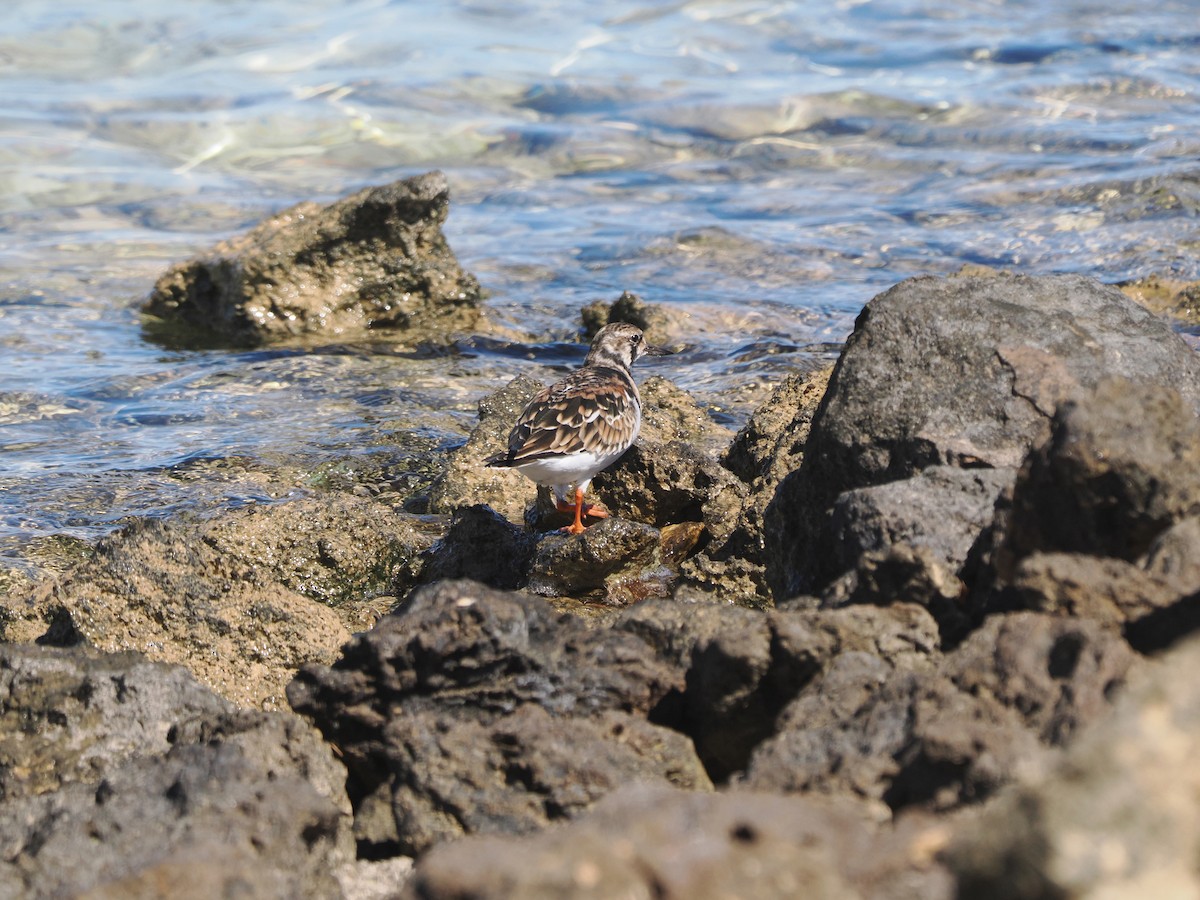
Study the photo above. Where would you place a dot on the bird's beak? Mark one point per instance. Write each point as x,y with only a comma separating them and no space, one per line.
651,350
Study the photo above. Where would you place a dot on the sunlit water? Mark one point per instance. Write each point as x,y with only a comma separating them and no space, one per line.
759,168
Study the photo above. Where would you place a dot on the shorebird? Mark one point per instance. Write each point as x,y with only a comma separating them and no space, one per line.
582,424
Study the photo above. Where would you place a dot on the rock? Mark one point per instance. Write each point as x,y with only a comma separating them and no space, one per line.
482,545
742,668
1109,591
375,260
941,508
664,484
904,573
1121,466
467,480
520,772
652,842
1114,817
915,740
1175,556
670,414
1058,674
122,777
631,308
964,372
422,705
371,879
154,587
615,561
771,443
334,548
69,716
198,822
769,447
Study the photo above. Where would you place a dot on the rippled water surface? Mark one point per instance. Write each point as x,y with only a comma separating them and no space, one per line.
760,168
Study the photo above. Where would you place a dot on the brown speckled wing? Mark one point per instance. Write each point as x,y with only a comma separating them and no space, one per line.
592,409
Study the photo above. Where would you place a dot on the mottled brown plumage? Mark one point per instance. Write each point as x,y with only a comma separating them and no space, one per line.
594,408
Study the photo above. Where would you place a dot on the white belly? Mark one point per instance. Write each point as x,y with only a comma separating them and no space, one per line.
565,473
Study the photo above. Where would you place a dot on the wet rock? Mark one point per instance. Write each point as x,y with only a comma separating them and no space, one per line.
467,480
670,414
482,545
373,261
334,548
1059,674
631,308
1178,299
771,443
615,561
1113,817
441,679
1121,465
123,777
154,587
645,841
964,372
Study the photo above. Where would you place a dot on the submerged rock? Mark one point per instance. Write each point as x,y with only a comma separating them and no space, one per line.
373,261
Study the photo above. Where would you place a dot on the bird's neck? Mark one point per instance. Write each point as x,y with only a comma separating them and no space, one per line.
601,356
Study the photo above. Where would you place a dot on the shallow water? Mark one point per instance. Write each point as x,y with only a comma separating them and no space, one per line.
760,168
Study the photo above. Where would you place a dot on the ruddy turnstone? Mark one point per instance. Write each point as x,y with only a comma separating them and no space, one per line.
582,424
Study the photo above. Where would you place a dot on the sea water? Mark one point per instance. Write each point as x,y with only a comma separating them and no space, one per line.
761,169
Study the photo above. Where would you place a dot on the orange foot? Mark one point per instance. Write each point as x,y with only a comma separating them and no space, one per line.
580,509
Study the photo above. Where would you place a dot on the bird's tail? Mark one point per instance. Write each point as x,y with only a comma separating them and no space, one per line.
498,461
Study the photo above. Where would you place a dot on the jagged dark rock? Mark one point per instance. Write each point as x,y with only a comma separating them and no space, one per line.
965,372
123,777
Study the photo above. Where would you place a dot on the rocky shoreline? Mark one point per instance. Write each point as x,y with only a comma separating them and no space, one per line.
922,628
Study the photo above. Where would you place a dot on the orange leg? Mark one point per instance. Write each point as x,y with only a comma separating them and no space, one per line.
576,527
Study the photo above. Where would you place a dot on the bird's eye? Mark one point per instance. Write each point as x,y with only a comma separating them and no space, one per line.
636,338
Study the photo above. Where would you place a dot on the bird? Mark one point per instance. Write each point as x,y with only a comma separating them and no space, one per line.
582,424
